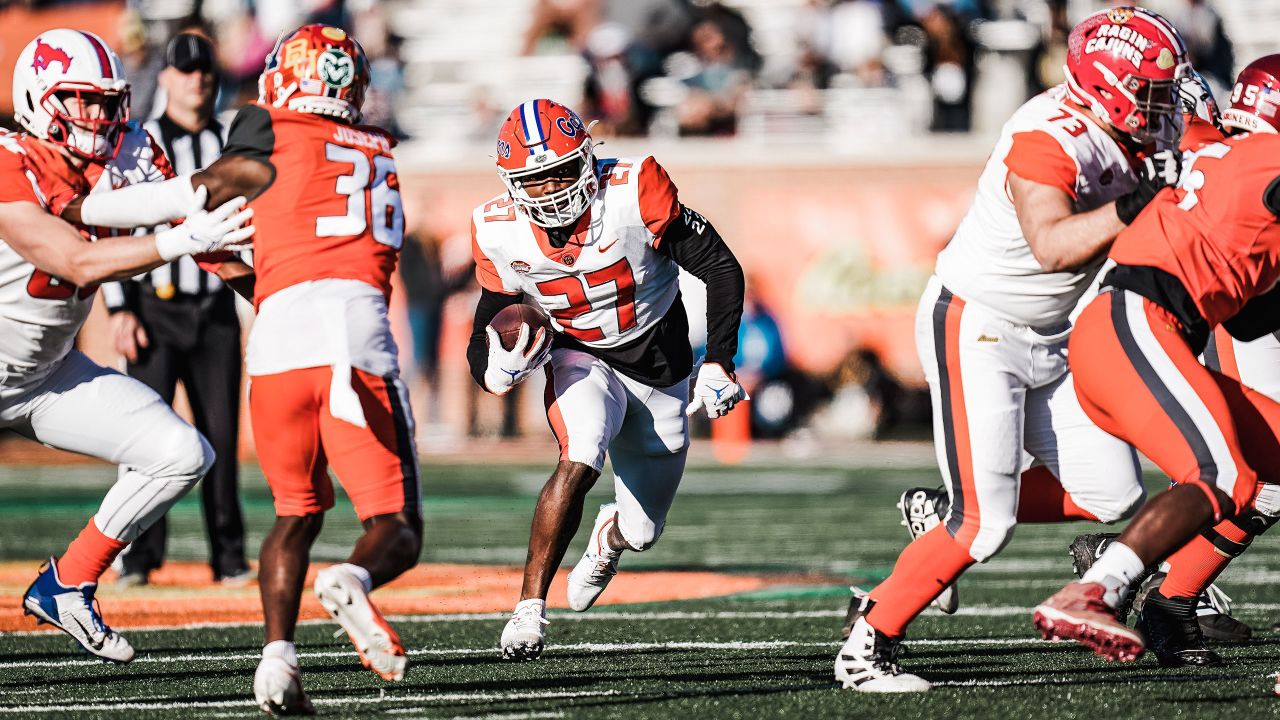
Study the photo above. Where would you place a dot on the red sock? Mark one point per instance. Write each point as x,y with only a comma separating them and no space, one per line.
1198,563
1041,499
88,556
930,563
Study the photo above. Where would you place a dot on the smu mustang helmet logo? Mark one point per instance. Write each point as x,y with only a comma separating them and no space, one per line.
47,54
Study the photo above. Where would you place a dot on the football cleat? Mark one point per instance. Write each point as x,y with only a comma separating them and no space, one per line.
1078,612
868,661
1085,551
522,638
1172,631
73,610
598,565
1213,612
922,510
277,688
378,645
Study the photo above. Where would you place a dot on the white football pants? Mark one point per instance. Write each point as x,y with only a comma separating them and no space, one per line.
1001,390
594,409
85,408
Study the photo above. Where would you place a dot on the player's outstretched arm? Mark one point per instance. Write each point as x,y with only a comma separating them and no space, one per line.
56,247
148,204
1062,239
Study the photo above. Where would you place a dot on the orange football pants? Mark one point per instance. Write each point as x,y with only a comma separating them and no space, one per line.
1138,379
298,439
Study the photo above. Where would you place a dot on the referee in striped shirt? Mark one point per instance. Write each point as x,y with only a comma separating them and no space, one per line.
179,323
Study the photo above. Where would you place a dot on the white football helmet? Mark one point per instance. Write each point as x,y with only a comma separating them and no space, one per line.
69,88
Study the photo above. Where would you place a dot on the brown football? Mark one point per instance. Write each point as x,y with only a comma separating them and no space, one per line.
509,319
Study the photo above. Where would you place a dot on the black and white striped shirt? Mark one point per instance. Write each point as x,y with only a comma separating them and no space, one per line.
187,152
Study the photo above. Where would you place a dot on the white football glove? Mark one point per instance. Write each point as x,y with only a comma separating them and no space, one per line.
508,368
208,231
715,391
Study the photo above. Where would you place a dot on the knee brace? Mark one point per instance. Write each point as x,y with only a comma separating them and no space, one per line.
1251,521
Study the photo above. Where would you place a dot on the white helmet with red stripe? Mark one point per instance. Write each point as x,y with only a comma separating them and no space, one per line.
69,88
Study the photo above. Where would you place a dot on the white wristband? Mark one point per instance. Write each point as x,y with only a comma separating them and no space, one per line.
141,205
174,242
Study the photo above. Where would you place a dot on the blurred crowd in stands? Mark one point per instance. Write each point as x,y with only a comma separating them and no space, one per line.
686,67
674,68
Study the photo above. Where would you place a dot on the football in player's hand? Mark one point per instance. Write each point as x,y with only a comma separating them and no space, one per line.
508,321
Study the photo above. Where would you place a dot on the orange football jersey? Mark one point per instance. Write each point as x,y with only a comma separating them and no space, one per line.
333,210
1216,231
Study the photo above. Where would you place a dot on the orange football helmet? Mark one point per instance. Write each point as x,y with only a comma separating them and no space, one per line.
316,69
540,136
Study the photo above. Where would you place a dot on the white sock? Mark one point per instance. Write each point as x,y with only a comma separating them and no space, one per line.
361,574
1116,570
281,649
540,603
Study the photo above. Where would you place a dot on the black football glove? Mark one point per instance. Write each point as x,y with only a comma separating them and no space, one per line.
1157,172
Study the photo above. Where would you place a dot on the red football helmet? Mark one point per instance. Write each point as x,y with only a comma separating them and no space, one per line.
1124,64
1255,100
316,69
543,136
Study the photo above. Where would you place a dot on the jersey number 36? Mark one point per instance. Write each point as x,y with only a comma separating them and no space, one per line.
373,198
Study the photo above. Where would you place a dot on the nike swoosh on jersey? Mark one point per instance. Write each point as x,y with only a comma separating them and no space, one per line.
605,248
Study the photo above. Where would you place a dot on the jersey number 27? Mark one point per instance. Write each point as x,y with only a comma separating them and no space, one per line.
373,198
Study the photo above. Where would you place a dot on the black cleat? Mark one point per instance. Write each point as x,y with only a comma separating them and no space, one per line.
1085,551
1214,613
1173,633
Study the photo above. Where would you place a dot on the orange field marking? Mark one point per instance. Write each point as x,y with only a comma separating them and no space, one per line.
184,593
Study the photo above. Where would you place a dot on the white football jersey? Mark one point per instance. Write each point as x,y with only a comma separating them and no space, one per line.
608,285
988,261
40,315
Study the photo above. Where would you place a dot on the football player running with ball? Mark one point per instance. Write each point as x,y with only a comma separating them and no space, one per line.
1072,168
72,98
597,244
324,381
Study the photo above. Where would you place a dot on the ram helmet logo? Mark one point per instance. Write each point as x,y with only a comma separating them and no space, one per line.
336,68
504,148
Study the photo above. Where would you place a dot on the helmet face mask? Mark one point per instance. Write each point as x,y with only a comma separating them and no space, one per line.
69,89
88,121
542,141
1126,66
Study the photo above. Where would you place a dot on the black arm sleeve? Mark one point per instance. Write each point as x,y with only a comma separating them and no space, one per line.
1260,316
491,303
696,246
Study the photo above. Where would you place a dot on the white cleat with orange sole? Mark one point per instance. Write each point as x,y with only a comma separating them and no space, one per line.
1078,612
344,598
598,564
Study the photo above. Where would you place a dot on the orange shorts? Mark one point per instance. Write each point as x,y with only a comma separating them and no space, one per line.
298,440
1138,379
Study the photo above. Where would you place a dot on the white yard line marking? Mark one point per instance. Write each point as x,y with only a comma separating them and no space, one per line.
552,650
111,704
967,610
